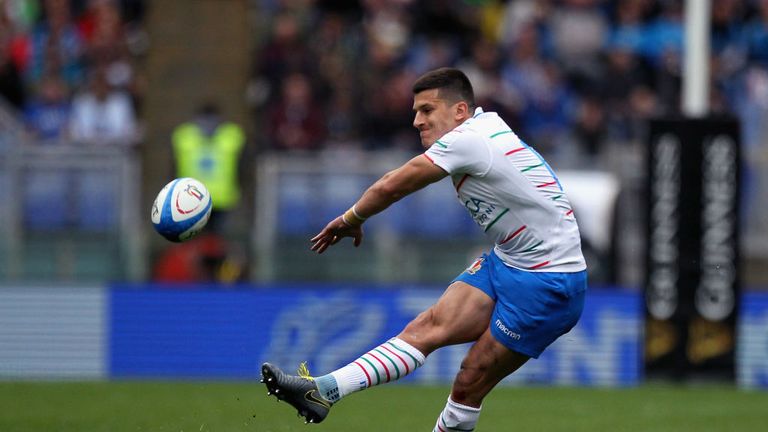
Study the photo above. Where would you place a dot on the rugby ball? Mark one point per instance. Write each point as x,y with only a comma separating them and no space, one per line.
181,209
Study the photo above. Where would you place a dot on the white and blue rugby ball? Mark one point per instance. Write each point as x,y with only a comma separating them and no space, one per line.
181,209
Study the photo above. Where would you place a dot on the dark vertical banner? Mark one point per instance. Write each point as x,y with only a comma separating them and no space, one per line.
692,256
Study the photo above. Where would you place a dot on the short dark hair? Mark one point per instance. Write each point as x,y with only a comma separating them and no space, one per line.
451,84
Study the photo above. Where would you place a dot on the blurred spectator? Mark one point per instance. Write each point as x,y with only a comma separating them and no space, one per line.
11,84
284,52
518,15
54,46
106,45
665,33
388,114
589,130
336,43
629,29
386,25
102,114
756,33
428,53
209,148
644,104
342,120
727,32
623,73
578,29
483,68
48,113
540,94
296,120
668,82
21,14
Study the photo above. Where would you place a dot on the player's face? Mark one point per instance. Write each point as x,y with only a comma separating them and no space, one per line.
435,116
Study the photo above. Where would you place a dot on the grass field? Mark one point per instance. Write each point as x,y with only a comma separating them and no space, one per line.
243,406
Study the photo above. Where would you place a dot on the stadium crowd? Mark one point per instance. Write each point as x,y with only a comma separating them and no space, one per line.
69,66
571,75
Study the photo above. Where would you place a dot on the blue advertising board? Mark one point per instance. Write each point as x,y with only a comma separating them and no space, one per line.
752,342
210,332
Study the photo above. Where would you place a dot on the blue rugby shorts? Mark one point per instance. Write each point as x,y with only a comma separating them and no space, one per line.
532,309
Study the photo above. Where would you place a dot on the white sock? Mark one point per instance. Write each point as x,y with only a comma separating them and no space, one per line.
457,417
387,362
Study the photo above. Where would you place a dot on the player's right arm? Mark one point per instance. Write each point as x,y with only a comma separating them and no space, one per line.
390,188
395,185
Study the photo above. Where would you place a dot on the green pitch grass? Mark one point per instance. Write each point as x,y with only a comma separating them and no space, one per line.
243,406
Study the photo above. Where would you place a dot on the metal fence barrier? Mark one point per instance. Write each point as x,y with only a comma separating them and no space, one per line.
71,213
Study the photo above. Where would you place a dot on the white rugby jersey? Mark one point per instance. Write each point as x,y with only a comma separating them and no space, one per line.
511,193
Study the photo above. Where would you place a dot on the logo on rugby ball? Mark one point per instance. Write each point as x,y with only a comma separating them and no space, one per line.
193,191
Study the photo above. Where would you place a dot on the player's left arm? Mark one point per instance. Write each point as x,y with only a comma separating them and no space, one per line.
390,188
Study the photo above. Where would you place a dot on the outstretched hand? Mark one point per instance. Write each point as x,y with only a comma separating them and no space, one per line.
335,231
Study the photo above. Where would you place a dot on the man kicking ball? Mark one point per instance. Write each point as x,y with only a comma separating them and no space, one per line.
512,302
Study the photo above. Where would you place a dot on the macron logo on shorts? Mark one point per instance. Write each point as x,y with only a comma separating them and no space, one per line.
506,331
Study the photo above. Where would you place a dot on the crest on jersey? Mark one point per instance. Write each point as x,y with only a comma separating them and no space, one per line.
476,266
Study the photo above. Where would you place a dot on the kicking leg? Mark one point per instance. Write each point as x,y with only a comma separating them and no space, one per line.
487,363
387,362
460,315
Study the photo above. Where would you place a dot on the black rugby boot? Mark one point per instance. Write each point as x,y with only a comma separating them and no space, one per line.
299,391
